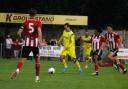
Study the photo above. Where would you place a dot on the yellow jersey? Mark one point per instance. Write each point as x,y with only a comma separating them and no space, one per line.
86,44
68,39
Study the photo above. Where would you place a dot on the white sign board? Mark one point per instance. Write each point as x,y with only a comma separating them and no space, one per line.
122,53
49,51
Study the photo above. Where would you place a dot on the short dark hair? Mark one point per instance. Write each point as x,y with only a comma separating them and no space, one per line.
110,25
67,24
99,30
32,12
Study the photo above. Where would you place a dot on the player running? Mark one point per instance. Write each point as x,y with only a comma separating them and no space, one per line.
86,40
97,42
31,29
115,42
68,40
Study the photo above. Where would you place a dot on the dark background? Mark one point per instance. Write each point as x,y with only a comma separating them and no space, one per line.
100,12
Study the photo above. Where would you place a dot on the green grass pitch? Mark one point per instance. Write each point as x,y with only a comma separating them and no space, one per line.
108,77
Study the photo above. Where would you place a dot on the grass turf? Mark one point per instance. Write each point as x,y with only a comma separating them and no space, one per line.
107,79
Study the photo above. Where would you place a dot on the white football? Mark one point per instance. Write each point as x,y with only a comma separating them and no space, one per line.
51,70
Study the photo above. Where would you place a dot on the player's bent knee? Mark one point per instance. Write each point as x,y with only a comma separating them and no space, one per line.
74,60
61,60
109,56
62,57
22,60
100,64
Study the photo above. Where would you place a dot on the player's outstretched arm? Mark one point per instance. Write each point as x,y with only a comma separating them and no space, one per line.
60,40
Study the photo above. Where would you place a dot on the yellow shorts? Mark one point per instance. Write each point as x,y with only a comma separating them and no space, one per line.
70,52
87,51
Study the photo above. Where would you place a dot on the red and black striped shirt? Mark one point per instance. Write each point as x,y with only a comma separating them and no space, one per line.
112,40
30,30
97,41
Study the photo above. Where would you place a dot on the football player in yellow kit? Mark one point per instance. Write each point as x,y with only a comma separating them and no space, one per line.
68,40
86,40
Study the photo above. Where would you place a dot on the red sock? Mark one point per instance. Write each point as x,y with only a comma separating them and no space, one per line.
122,66
37,69
107,64
19,65
96,67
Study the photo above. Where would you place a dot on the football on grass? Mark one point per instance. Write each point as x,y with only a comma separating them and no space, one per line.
51,70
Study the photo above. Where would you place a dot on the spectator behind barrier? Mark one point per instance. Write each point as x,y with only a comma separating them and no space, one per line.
53,40
17,45
9,43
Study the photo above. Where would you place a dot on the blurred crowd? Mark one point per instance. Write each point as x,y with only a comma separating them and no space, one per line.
11,46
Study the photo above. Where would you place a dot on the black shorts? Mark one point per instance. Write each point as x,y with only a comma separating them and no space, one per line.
26,51
98,53
115,51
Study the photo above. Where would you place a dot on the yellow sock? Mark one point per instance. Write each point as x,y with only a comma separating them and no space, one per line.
64,63
90,59
86,62
77,64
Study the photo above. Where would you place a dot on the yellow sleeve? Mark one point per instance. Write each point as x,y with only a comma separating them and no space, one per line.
61,39
72,41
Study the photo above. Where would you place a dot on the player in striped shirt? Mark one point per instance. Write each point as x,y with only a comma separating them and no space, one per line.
97,42
31,29
115,42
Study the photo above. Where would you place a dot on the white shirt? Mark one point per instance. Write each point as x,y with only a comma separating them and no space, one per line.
9,43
